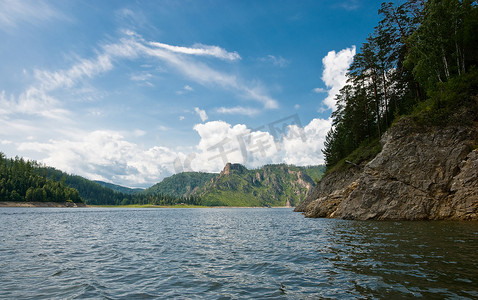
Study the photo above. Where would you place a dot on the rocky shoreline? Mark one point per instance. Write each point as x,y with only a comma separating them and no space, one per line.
420,174
40,204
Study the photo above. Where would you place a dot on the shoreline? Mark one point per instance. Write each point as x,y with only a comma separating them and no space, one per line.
42,204
82,205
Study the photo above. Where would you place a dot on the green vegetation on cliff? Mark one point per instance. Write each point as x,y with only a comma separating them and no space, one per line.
271,185
421,62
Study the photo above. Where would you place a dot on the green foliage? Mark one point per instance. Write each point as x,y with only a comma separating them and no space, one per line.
96,194
271,185
119,188
450,103
418,50
181,184
21,180
364,153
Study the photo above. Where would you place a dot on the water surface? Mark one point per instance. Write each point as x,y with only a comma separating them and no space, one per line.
114,253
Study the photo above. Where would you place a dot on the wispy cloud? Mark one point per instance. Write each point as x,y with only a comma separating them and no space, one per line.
13,13
186,89
349,4
277,61
37,100
319,90
200,49
85,68
238,110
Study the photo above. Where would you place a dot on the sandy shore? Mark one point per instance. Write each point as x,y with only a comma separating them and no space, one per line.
40,204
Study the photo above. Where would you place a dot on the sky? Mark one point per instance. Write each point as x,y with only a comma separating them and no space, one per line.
131,92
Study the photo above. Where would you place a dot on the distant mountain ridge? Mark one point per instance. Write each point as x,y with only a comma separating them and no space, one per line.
119,188
271,185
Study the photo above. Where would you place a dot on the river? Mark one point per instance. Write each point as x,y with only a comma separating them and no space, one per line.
229,253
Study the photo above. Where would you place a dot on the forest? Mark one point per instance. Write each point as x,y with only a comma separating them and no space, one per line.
20,181
24,180
419,62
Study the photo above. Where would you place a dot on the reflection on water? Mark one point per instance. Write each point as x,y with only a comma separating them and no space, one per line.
230,253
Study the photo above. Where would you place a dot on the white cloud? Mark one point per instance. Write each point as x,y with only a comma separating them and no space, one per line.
319,90
306,149
144,76
37,99
13,13
238,110
106,155
222,142
68,78
334,74
201,113
276,61
349,4
200,49
186,89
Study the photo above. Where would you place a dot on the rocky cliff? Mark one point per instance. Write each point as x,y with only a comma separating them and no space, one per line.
421,173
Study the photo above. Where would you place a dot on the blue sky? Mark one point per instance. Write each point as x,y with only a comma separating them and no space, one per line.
131,92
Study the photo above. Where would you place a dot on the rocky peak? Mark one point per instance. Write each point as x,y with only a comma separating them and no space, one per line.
233,169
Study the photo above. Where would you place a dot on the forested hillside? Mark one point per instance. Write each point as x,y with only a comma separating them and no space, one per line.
420,61
271,185
182,184
95,194
20,181
119,188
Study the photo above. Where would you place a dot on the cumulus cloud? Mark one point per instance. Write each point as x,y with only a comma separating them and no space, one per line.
222,142
201,113
107,155
334,74
310,143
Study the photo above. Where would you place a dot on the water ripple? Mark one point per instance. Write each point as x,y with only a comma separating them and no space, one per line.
229,254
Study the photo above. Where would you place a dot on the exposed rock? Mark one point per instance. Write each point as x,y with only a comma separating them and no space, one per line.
328,185
233,168
419,174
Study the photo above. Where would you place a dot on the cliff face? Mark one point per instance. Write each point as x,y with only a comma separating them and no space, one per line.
419,174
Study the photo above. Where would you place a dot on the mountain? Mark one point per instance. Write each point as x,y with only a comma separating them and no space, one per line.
271,185
119,188
180,185
93,193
